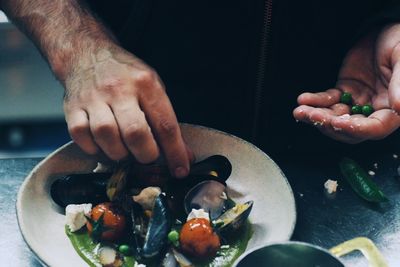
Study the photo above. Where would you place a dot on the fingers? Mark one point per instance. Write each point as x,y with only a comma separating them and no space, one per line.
321,99
318,116
191,156
127,111
336,123
105,131
377,126
78,127
162,120
394,89
135,131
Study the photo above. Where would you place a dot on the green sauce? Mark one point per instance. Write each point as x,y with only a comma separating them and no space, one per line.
85,247
237,245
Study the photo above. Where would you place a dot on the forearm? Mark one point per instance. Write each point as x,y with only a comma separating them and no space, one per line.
64,30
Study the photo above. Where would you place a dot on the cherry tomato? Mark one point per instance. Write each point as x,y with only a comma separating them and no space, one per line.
198,239
107,222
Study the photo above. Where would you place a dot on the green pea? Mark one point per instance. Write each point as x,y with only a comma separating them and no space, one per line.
357,109
367,110
173,237
346,98
124,249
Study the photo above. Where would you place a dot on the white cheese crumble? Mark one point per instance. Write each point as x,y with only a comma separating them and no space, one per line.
372,173
107,255
331,186
395,156
75,215
198,214
147,197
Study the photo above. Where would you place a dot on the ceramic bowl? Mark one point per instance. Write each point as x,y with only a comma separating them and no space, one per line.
254,176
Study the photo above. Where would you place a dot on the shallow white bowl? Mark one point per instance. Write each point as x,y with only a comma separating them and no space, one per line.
254,177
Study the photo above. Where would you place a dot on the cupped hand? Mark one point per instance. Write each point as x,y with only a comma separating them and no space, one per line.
116,103
371,73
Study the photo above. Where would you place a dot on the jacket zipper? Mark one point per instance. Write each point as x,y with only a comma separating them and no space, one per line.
262,66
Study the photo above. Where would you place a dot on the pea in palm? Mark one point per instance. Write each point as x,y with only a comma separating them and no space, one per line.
371,74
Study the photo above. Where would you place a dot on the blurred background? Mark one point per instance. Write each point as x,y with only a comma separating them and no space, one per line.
31,116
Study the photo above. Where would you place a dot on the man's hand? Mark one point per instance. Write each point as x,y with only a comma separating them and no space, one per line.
371,73
117,103
113,101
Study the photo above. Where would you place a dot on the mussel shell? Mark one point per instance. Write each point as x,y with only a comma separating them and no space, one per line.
158,229
233,220
218,164
80,188
145,175
207,195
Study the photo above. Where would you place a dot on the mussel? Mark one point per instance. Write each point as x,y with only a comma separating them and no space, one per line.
80,188
233,219
92,187
217,166
156,231
211,197
208,195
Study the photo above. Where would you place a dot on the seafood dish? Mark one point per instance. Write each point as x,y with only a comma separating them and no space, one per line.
130,214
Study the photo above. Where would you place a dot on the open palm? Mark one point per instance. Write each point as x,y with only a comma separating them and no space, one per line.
371,73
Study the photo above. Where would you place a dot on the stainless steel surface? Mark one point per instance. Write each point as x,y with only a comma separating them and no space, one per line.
327,220
322,220
13,250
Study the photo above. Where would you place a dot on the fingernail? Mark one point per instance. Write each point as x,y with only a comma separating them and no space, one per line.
181,172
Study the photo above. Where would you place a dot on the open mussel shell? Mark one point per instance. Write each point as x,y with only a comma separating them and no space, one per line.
234,218
80,188
208,195
159,227
157,231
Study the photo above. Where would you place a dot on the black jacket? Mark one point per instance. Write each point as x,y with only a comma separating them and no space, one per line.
239,66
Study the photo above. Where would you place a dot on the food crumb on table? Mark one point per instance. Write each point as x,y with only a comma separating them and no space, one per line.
395,156
375,166
331,186
372,173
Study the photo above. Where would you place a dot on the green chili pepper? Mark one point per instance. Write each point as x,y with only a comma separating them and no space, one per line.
367,110
356,109
346,98
360,181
